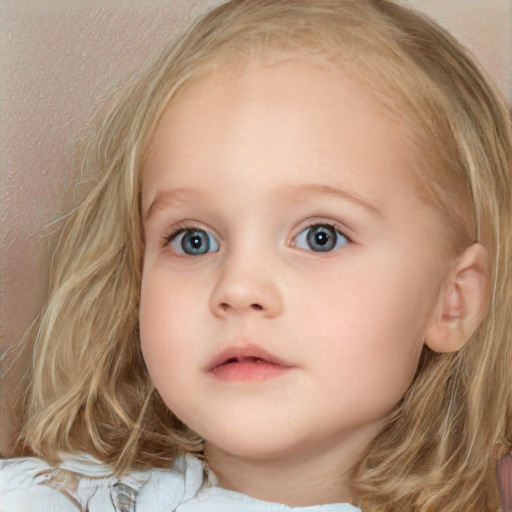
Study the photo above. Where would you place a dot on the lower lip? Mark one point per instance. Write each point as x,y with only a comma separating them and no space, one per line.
248,371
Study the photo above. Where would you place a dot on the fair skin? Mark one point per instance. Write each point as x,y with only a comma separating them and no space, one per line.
285,348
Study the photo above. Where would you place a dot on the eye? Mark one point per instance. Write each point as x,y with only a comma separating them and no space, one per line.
320,238
193,242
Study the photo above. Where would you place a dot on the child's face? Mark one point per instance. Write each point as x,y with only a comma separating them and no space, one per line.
290,269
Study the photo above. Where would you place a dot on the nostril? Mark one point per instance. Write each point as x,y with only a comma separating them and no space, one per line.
226,306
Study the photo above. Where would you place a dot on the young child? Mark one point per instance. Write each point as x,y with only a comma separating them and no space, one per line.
291,283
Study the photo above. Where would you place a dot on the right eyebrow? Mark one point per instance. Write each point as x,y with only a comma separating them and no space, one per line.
166,199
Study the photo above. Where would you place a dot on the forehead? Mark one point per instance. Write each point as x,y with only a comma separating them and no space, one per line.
290,103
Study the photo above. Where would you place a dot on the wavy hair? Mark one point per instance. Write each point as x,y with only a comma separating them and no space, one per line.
90,390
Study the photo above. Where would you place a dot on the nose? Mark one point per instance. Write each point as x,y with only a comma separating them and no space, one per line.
245,288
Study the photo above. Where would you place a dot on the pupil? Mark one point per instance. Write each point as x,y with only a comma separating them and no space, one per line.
196,242
322,238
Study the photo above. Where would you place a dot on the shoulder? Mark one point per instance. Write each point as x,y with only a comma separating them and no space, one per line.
81,482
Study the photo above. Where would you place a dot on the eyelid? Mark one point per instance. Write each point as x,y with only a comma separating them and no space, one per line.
183,226
340,231
323,221
187,225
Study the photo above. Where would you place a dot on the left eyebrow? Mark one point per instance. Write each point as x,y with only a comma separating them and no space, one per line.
294,193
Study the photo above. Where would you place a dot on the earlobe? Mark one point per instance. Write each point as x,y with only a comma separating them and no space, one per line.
461,303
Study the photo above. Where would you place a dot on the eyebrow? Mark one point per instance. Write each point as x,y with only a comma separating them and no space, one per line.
287,194
166,199
297,193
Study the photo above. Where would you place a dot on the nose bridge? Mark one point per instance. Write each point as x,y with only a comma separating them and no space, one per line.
247,282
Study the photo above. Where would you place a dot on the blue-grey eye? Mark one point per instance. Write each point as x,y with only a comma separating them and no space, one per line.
320,238
193,242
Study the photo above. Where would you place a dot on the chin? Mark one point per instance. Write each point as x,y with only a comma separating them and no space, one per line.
250,445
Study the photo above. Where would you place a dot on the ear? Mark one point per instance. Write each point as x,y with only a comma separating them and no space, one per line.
461,303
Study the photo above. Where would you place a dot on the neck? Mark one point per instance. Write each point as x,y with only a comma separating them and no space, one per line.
308,481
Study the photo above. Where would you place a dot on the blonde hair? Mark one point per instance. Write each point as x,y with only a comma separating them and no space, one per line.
90,390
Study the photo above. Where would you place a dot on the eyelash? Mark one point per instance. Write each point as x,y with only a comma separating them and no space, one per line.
322,228
182,229
334,236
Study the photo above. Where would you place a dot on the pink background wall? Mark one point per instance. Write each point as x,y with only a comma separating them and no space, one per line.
56,57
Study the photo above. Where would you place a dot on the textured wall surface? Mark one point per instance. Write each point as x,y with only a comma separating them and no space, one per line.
57,56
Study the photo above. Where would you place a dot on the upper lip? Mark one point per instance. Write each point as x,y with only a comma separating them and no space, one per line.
246,352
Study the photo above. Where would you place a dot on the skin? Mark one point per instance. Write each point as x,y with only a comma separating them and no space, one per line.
254,160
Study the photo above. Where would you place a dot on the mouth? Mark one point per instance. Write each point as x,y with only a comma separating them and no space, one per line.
249,363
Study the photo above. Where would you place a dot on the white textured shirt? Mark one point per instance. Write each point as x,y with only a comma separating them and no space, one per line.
83,484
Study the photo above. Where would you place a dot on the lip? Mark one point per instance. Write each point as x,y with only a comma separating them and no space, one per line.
247,363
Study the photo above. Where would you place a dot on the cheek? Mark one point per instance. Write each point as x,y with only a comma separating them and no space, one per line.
170,326
370,326
375,299
163,320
